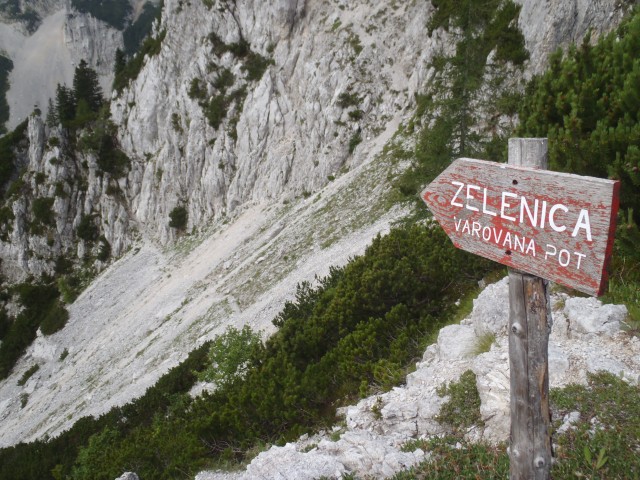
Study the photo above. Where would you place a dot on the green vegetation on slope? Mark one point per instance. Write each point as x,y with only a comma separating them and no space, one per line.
41,310
6,65
362,327
8,146
126,71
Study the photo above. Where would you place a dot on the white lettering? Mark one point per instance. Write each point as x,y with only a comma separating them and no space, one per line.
504,205
519,241
580,257
544,213
583,222
457,223
486,234
568,255
484,205
549,252
533,218
532,247
507,239
460,187
552,221
475,229
469,196
497,237
466,227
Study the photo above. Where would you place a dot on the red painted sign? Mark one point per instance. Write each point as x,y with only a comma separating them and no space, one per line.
554,225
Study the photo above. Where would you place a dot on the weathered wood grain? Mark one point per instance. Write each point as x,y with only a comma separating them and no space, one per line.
561,231
529,328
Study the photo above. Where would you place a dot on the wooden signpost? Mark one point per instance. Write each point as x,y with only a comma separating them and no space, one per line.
545,226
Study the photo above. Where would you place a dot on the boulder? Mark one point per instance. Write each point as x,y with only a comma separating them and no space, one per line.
491,309
456,342
590,316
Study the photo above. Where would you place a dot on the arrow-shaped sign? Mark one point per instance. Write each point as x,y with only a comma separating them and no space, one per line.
554,225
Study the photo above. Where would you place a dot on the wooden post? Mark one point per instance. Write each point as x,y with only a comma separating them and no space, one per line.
529,328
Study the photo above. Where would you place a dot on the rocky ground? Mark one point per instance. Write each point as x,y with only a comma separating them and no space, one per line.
586,337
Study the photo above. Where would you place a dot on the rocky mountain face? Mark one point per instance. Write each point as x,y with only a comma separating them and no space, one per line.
288,131
265,122
549,25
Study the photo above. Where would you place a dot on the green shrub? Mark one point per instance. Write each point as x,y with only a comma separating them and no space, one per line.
42,209
354,141
346,100
197,90
87,229
55,319
355,115
28,374
104,251
255,65
178,218
59,190
70,287
224,80
126,72
229,356
215,110
6,65
176,122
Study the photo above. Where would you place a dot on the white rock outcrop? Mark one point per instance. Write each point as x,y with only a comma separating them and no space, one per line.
290,134
554,24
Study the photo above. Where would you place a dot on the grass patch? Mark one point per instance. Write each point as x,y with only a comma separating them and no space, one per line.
462,410
609,412
483,343
453,458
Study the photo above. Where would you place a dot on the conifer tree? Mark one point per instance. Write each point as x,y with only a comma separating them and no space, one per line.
52,115
65,104
86,86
